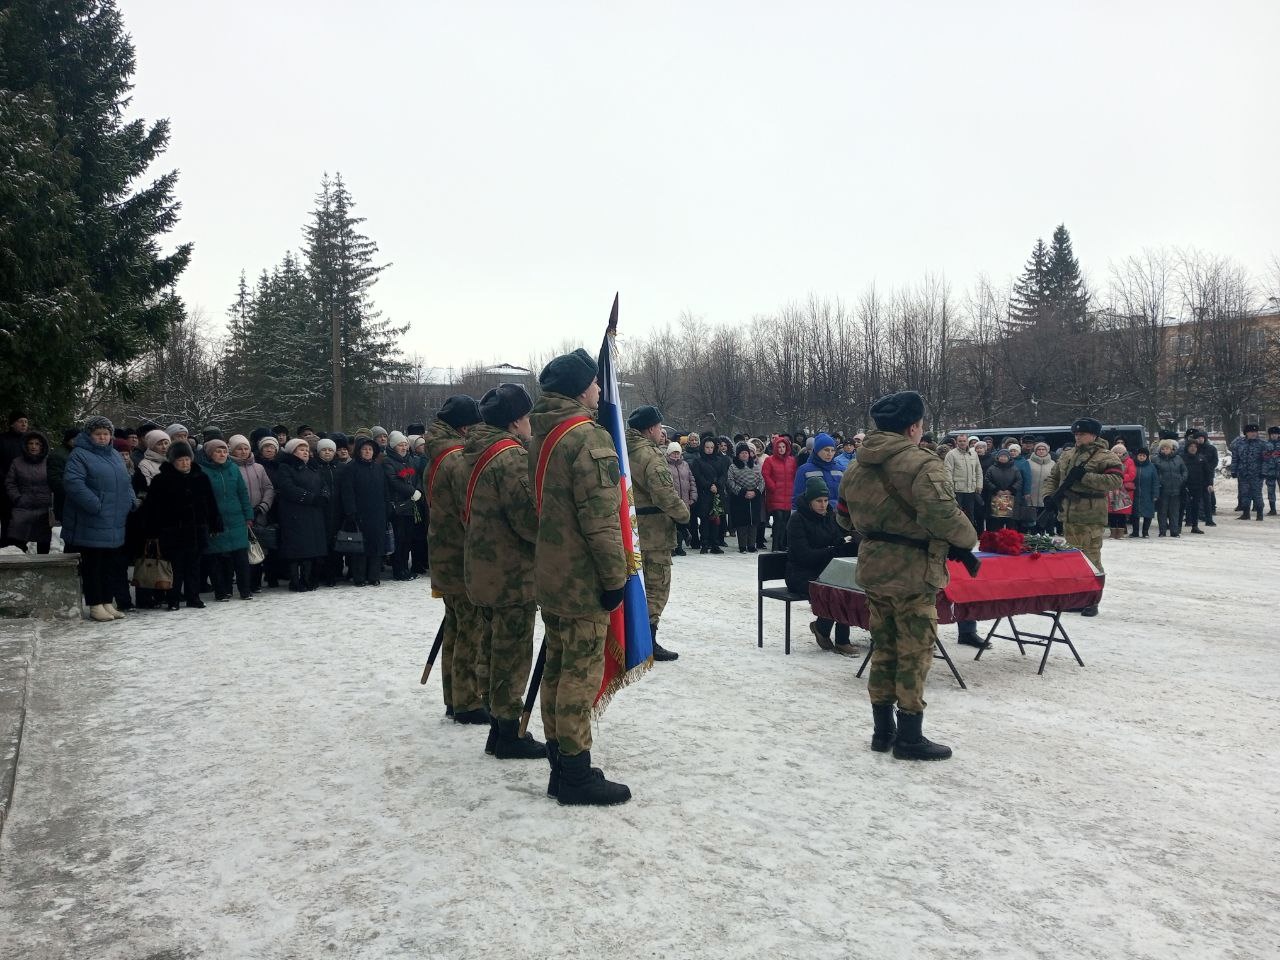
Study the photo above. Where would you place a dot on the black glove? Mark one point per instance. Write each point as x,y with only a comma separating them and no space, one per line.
1052,502
1073,477
971,563
611,599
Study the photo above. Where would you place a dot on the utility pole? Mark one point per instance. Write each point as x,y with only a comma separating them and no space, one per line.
336,327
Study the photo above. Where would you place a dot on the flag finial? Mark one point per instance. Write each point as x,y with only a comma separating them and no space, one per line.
613,318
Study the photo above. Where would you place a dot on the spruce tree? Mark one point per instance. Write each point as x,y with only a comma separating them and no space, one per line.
82,279
1064,289
1029,304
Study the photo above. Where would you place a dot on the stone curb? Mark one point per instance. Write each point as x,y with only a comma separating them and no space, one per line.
17,649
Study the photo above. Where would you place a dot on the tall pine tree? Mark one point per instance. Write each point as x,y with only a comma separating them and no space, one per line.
1028,306
82,278
1064,289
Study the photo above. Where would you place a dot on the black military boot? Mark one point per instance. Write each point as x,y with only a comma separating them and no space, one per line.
886,731
1090,611
477,716
511,746
914,745
492,740
579,787
660,653
553,758
971,638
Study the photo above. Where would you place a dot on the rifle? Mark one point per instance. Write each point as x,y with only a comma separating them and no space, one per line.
535,681
435,652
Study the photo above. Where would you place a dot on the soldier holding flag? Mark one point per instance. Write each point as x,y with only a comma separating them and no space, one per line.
580,568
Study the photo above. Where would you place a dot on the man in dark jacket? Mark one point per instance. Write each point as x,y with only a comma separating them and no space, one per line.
711,480
813,541
362,487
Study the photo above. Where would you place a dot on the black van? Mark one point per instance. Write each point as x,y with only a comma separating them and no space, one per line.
1133,435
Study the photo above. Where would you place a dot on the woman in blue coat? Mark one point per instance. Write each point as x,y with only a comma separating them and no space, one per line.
1146,488
821,464
99,497
228,550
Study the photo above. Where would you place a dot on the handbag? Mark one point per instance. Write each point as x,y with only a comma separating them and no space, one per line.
1118,499
268,535
348,541
151,571
256,553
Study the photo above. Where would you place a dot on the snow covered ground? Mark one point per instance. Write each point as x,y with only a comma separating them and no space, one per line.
268,780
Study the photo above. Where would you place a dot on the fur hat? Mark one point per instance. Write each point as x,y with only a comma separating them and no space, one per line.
1119,448
395,438
153,437
459,411
674,447
1167,444
99,423
294,444
642,418
179,448
897,411
1087,425
1250,428
1271,431
569,374
1015,450
504,404
743,447
212,433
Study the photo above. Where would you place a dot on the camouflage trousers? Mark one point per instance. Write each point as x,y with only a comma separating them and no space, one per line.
464,632
510,632
1087,538
657,585
1250,494
904,630
571,678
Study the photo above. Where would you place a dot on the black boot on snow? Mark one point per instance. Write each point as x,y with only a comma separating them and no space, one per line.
660,653
914,745
971,638
511,746
1090,611
579,788
553,758
477,716
492,741
886,731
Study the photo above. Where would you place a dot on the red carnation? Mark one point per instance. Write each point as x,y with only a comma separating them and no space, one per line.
1009,542
405,473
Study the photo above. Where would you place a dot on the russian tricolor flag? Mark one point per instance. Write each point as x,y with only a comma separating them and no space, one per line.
628,650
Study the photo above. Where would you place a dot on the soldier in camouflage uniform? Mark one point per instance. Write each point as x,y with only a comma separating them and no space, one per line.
580,568
658,510
898,496
1077,487
444,485
502,526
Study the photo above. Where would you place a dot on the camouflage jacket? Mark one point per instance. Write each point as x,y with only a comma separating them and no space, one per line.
502,526
658,506
444,530
922,483
1086,502
579,553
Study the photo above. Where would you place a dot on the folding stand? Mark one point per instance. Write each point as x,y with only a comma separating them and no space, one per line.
941,654
1057,634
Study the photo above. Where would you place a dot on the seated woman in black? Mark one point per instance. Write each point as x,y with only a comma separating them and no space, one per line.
813,540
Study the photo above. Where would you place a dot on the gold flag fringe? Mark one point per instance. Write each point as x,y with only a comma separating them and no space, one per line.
623,679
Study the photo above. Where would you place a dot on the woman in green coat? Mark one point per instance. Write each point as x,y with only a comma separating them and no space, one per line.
229,550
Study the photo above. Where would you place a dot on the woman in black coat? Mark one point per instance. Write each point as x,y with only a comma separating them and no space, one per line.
1002,487
180,512
365,493
329,568
1199,479
402,482
710,481
813,541
301,499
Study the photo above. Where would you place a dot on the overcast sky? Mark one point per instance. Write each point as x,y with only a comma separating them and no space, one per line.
519,162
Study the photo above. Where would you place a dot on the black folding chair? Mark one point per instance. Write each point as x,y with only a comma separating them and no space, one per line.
772,567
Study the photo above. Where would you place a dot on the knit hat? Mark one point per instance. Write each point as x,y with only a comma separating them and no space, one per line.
176,428
1142,452
1004,452
327,444
1015,450
376,432
459,411
154,437
98,423
642,418
569,374
395,438
1087,425
824,440
121,444
1119,448
212,433
897,411
294,444
674,447
814,487
504,404
212,445
179,448
237,439
268,441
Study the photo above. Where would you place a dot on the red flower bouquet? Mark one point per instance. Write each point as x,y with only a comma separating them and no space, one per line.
1004,541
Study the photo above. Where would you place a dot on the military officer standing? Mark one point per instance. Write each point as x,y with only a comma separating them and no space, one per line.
658,510
580,567
501,529
1077,487
444,485
898,496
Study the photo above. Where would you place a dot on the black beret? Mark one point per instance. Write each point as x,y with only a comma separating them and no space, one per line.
504,404
1087,425
569,374
642,418
898,411
459,411
1250,428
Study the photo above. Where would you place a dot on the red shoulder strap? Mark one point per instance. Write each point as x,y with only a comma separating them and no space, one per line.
486,458
435,466
544,454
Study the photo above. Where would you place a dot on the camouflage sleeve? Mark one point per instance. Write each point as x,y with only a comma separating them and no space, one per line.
598,498
1052,481
843,519
662,489
936,507
1105,473
516,495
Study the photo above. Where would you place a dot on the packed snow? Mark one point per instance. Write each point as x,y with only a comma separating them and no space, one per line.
269,780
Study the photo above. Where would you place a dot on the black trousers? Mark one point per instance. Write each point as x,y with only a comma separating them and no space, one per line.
1193,510
780,520
186,576
968,503
1169,513
223,565
95,572
403,529
365,567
